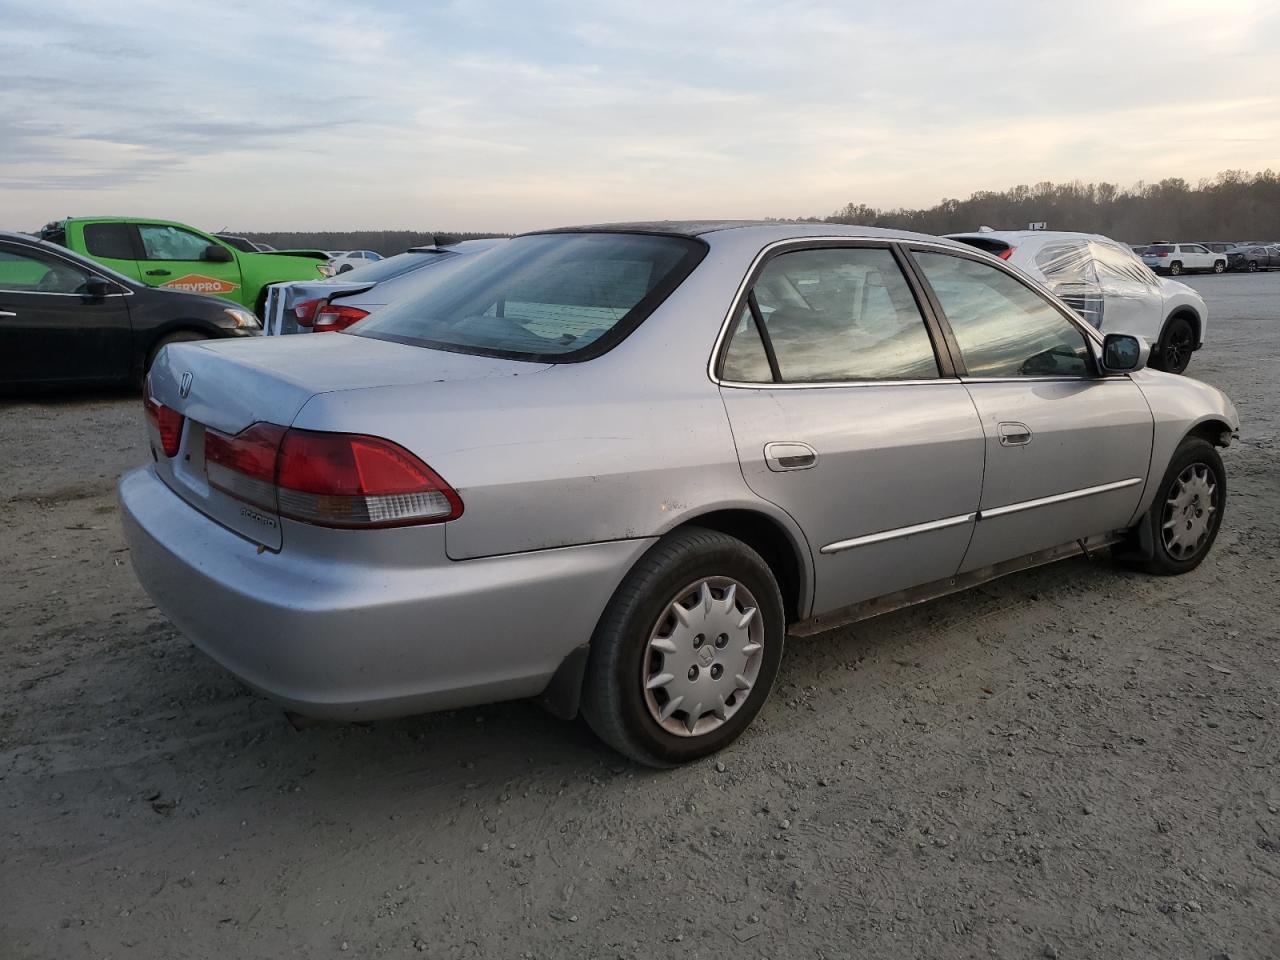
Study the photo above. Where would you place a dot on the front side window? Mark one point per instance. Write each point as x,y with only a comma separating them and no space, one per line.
22,272
838,314
1120,264
111,240
1003,327
550,297
162,242
1066,262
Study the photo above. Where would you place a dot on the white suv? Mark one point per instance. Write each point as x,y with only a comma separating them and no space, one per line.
1179,258
1109,286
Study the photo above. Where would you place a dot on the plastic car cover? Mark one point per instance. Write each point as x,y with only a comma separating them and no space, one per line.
1069,271
1126,282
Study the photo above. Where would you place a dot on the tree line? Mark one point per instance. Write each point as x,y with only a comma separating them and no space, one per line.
385,242
1234,205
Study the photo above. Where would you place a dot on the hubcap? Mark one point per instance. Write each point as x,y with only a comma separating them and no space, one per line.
703,657
1189,510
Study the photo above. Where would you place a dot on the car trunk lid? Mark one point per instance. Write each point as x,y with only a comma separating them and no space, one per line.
229,385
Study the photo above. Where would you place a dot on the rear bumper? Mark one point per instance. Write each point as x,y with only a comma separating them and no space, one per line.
355,639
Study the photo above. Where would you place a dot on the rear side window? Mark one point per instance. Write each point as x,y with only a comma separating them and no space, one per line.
1002,326
111,240
551,297
834,315
745,359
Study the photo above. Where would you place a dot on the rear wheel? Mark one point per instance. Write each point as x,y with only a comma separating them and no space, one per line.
687,650
1174,352
1175,268
1253,266
1187,512
1219,266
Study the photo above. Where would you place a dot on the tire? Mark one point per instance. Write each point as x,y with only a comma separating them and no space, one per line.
1219,267
1196,469
1253,266
345,268
1175,268
621,701
182,336
1176,346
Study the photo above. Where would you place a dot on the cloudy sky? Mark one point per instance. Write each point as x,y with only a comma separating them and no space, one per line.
311,114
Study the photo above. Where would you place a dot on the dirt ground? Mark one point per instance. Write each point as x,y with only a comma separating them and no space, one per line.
1078,761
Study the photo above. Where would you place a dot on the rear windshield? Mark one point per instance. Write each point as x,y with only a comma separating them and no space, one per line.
558,297
401,263
1159,248
988,244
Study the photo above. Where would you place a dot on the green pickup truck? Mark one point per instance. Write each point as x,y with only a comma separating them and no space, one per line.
173,255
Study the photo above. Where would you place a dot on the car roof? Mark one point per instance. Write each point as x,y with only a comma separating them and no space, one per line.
1032,235
770,230
167,223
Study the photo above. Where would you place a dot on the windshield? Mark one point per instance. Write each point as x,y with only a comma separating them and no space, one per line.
401,263
557,296
1159,248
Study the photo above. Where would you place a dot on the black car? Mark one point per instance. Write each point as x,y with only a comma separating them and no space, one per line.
68,320
1255,257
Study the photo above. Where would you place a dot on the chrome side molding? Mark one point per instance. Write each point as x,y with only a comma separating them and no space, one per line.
841,545
1057,498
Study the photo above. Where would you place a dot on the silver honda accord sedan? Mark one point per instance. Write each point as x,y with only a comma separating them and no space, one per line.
614,467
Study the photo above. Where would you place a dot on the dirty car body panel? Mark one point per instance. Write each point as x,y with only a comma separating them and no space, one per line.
571,461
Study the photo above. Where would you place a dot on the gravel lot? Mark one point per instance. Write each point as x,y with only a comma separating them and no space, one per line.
1078,761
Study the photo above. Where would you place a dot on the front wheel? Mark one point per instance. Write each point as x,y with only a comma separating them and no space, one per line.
1187,512
1219,267
1175,346
182,336
687,650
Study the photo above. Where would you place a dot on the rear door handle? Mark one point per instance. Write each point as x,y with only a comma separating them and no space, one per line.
157,273
789,455
1014,434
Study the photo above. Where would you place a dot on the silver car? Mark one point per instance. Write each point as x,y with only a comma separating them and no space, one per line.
614,467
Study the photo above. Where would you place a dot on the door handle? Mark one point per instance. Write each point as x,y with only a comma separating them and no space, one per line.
1014,434
789,455
157,273
7,313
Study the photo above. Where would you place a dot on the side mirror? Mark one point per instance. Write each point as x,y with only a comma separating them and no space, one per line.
217,254
95,288
1122,353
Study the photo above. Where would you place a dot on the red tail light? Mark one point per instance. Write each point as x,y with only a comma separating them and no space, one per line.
1164,254
329,479
333,317
1006,253
245,465
167,420
306,311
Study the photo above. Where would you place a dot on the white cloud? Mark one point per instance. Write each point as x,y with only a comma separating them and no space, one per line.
459,115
